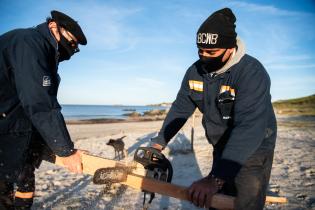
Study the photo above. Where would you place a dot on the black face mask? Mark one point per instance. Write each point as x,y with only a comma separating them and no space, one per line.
211,64
65,49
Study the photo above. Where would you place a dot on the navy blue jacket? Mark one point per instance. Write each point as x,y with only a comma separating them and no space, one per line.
28,95
237,112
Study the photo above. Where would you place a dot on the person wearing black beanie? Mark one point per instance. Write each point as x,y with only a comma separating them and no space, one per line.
232,90
216,39
218,30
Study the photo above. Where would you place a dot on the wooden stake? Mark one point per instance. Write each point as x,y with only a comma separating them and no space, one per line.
193,131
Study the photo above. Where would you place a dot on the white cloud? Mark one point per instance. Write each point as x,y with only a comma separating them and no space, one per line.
288,58
296,63
276,62
266,9
110,28
106,27
283,66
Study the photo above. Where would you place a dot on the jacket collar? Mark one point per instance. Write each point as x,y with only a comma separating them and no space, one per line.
236,57
44,30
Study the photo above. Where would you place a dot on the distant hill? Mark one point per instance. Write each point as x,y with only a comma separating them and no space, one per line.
298,106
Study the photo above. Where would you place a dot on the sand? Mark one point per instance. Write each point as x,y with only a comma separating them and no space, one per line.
293,173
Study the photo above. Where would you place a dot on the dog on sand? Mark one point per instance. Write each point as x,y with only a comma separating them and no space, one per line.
119,147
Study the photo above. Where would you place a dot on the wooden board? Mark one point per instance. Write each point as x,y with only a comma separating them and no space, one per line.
137,180
218,201
91,163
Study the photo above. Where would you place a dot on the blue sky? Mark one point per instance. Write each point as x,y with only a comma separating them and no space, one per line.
138,51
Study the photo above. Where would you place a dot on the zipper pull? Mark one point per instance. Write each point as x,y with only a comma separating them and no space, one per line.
213,74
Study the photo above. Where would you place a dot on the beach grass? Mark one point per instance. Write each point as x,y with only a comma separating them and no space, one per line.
304,106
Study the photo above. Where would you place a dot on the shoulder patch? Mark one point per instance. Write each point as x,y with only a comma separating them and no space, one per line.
196,85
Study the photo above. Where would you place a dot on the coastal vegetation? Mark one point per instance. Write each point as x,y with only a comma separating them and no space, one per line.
300,106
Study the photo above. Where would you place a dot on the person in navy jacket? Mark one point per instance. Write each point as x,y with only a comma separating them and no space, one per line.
31,124
232,90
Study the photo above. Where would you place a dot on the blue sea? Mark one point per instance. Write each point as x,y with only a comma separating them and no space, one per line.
84,112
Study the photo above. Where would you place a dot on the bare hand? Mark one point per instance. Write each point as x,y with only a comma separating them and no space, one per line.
201,192
157,146
73,162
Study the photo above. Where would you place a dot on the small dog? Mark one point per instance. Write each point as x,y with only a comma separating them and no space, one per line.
119,147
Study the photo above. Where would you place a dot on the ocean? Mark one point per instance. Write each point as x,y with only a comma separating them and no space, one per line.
84,112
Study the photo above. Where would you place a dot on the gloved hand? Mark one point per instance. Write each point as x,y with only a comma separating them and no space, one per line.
201,191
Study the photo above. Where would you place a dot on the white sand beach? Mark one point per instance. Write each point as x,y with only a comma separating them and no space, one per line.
293,173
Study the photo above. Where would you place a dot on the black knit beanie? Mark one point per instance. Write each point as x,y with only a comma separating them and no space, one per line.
218,31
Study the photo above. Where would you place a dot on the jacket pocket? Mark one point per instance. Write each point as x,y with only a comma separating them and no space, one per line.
15,121
225,102
197,98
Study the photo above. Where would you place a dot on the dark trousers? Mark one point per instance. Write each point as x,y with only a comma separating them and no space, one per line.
6,195
24,194
23,178
250,185
22,199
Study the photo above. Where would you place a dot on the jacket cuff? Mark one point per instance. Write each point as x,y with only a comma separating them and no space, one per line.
226,169
159,140
65,152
